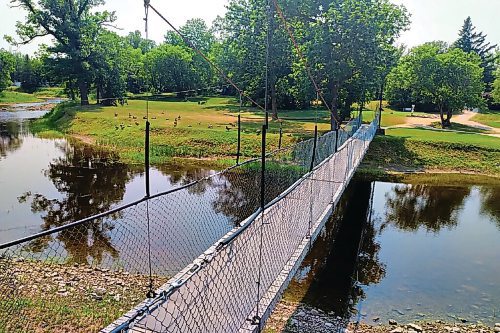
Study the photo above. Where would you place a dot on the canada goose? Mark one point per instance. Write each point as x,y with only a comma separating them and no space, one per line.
210,126
116,127
154,118
258,132
116,114
228,128
134,117
136,123
129,115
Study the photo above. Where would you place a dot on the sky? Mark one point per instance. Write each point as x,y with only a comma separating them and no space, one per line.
431,19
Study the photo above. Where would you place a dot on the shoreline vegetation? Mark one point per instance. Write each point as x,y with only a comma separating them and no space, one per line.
203,131
75,297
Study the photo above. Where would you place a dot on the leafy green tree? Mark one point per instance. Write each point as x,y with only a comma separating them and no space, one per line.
471,41
199,34
111,61
450,79
6,68
169,68
344,40
29,71
244,31
135,40
75,25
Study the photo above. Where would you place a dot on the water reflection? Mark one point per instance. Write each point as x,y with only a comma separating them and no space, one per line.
344,257
10,138
445,267
410,207
490,203
91,181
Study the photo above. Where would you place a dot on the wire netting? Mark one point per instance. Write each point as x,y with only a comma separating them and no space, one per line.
205,256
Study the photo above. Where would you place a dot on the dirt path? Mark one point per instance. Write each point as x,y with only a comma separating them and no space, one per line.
464,119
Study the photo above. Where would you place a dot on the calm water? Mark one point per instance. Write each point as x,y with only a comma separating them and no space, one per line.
391,251
46,183
424,252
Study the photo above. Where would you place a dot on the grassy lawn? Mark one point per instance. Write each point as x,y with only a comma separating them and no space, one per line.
460,127
489,118
407,150
11,97
203,130
428,135
390,116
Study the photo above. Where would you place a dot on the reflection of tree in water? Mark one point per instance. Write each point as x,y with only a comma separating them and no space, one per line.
186,175
11,137
490,203
239,190
91,181
335,273
411,206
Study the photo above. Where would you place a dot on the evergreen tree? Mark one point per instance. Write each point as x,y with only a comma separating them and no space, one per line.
471,41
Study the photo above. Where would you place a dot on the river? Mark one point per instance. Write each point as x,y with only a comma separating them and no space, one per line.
400,251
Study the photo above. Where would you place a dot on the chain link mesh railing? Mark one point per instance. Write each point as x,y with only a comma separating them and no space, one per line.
82,276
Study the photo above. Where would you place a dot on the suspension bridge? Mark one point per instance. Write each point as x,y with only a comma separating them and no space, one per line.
227,245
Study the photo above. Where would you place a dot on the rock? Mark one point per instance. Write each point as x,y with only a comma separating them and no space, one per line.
415,327
455,329
314,312
96,297
100,291
497,329
300,314
329,325
392,322
397,330
375,319
463,320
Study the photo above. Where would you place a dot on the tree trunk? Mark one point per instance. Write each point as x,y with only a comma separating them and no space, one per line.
449,114
335,110
84,92
98,95
441,114
274,102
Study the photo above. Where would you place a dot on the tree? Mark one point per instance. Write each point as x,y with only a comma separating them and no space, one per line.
450,79
169,68
135,40
244,32
28,71
75,26
198,33
111,61
344,40
6,68
471,41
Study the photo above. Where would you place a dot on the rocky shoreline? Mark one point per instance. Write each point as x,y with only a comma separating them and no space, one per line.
66,298
290,317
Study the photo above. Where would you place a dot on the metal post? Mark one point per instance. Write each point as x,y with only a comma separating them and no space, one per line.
336,139
239,141
263,170
146,158
381,97
281,136
314,147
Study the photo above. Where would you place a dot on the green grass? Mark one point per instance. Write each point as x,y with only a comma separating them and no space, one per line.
49,92
460,127
489,118
410,151
205,131
390,116
12,97
428,135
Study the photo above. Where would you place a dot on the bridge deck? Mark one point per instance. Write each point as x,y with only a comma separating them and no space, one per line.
219,291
